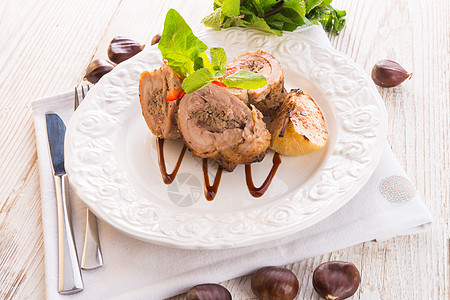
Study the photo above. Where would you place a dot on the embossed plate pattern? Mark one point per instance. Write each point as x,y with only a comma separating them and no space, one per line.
112,163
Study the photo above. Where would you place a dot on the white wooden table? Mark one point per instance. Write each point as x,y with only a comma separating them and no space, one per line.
45,47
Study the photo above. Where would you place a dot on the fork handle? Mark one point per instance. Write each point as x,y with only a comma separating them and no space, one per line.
69,273
92,252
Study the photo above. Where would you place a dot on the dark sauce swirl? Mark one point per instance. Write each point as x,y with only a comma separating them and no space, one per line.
259,191
168,178
211,190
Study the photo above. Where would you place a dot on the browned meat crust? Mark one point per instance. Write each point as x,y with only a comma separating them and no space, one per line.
160,114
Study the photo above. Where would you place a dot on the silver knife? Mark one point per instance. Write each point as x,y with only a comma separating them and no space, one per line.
69,273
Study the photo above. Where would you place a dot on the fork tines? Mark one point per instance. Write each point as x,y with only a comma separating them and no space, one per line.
83,94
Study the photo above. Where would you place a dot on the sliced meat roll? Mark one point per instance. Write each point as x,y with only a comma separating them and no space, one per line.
268,98
216,124
160,114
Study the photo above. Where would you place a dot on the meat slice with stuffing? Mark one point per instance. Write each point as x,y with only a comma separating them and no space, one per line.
215,124
268,98
155,88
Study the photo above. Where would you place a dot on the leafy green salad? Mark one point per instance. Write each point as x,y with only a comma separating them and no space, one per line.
275,16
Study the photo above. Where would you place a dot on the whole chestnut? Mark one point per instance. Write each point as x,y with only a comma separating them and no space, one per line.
275,283
336,280
122,48
208,291
388,73
155,39
96,69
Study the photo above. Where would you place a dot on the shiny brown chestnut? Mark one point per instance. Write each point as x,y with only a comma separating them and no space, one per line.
275,283
156,39
122,48
336,280
96,69
208,291
388,73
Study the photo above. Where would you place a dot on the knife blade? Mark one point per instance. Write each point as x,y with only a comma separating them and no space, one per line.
70,280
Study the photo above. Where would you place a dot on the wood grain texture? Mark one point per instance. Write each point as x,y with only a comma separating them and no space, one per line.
47,45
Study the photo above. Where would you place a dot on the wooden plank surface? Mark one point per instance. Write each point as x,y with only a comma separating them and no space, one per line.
46,46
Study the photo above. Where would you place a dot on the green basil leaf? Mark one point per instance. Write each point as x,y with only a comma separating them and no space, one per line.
231,8
245,79
197,80
178,44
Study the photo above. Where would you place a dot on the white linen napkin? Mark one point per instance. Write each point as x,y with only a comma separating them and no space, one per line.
385,207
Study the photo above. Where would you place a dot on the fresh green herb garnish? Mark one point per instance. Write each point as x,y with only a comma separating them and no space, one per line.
245,79
185,54
275,16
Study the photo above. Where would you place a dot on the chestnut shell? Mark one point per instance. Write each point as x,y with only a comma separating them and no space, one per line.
208,291
155,39
336,280
388,73
275,283
96,69
122,48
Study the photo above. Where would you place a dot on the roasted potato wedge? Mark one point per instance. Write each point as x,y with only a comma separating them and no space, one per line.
298,127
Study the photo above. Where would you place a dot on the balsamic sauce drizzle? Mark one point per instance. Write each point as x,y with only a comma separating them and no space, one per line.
168,178
258,192
211,190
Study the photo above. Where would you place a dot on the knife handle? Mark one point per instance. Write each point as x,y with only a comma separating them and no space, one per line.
69,273
92,253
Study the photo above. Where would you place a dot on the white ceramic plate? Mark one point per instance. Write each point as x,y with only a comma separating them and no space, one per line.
112,161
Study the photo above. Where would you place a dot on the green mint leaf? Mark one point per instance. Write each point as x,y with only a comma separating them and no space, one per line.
257,7
258,23
334,20
276,16
298,6
202,61
264,7
245,79
227,22
326,2
197,80
288,19
214,20
311,4
269,5
231,8
247,11
218,58
178,44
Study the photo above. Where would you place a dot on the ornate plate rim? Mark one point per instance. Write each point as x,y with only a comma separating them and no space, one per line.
368,124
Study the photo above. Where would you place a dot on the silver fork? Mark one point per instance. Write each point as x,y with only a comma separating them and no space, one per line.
92,253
